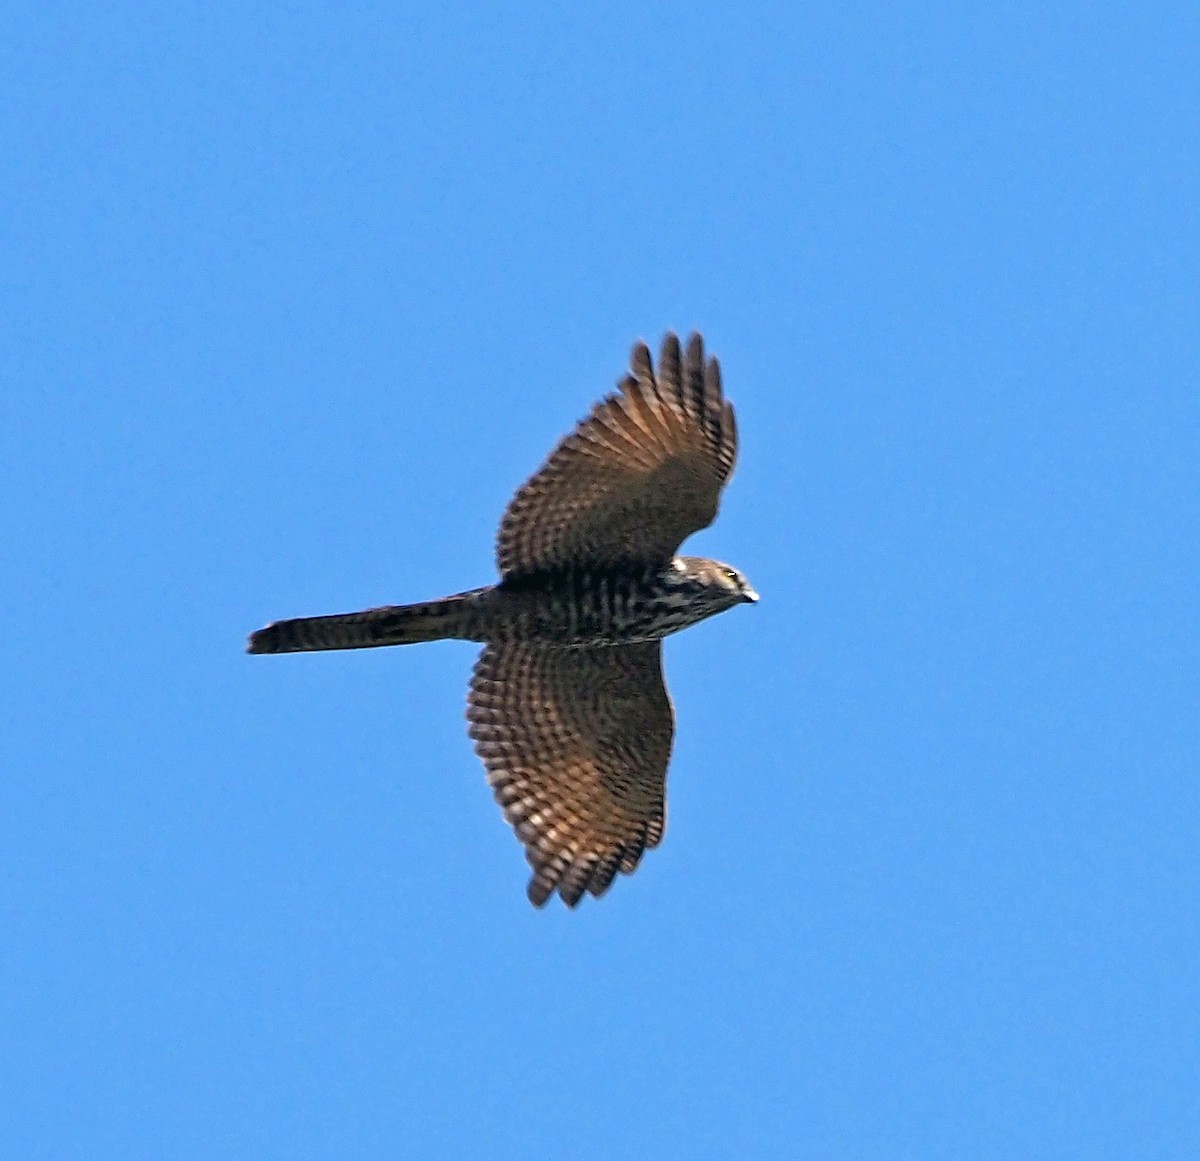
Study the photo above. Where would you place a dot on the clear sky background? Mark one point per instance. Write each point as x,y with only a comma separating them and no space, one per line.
292,297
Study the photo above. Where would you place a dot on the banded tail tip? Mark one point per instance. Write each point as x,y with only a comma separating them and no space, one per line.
262,640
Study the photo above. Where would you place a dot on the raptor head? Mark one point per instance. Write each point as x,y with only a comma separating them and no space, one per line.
719,585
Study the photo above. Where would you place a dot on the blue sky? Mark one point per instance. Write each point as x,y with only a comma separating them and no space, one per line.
295,296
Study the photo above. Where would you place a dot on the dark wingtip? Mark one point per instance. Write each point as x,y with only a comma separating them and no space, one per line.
539,891
641,363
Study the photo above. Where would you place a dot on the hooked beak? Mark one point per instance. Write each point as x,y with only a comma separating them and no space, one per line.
749,596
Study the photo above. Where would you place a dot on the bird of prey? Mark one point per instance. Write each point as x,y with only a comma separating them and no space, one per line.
567,706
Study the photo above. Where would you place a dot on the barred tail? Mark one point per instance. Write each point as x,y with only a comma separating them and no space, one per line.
450,617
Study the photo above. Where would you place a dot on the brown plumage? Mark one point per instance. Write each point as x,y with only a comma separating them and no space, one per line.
576,743
567,705
635,478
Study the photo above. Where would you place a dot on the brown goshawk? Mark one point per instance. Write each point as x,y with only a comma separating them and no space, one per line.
567,706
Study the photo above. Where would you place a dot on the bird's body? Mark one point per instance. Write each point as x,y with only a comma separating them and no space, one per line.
571,608
568,708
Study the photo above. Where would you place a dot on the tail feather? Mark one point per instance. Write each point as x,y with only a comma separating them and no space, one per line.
449,617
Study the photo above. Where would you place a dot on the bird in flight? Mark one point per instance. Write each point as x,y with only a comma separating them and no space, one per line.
567,705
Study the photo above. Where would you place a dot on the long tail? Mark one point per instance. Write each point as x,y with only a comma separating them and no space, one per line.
450,617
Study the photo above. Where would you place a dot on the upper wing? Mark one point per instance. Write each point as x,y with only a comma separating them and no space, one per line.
576,744
641,473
